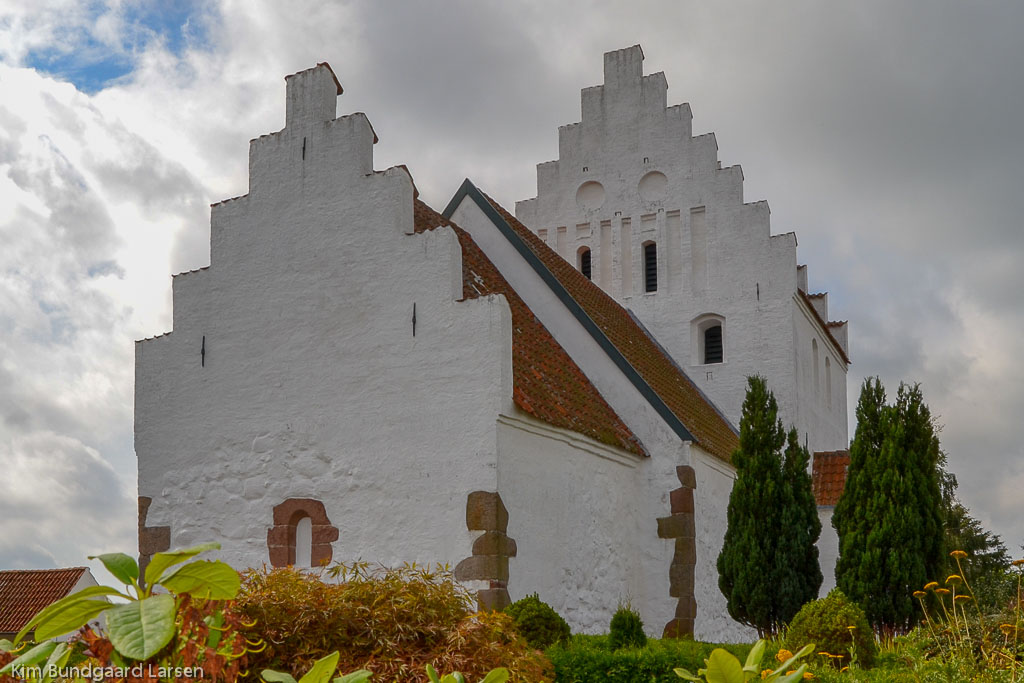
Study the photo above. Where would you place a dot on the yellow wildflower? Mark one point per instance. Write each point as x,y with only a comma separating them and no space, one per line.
808,675
919,594
784,655
961,598
764,674
851,628
942,591
930,585
1007,629
958,554
954,579
1018,563
825,654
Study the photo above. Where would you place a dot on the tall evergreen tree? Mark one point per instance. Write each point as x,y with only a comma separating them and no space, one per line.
890,516
768,565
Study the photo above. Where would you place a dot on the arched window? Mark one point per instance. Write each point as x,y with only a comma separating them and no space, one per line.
708,339
650,267
583,258
828,382
297,522
814,352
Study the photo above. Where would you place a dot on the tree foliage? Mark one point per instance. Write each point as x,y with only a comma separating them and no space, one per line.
890,518
768,567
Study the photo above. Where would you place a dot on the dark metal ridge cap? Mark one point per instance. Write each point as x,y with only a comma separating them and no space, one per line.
468,189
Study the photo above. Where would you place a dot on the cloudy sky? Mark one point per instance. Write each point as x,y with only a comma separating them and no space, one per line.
885,134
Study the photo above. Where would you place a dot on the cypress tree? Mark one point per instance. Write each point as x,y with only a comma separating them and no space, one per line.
890,516
799,572
768,565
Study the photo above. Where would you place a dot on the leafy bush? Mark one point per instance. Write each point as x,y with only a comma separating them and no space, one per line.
725,667
391,621
590,659
626,629
193,625
538,622
837,626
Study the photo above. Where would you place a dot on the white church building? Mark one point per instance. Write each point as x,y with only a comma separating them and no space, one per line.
546,401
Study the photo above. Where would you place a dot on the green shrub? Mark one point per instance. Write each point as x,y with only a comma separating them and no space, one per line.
626,629
590,659
538,622
391,621
835,625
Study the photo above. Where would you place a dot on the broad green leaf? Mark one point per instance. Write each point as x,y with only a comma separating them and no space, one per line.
31,658
432,674
58,658
204,579
272,676
6,645
683,673
359,676
73,617
123,567
788,664
793,677
322,669
458,677
63,603
754,657
496,676
163,561
723,667
140,629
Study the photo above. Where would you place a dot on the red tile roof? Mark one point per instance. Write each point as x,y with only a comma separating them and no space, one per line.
828,476
547,383
705,423
24,592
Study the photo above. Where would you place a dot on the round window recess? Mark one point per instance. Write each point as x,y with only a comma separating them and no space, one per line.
590,196
653,186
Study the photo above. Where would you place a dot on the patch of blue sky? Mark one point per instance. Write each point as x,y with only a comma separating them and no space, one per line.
91,65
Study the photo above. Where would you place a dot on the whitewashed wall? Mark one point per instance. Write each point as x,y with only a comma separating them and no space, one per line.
314,385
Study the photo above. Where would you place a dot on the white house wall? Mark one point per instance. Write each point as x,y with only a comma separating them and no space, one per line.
314,385
656,476
711,504
572,511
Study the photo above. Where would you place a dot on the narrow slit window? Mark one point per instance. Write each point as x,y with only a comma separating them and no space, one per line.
650,267
713,344
304,542
585,263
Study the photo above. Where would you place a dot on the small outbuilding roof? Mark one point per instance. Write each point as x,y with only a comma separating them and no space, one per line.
828,476
24,592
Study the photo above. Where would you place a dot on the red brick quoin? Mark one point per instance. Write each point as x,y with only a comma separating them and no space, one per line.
489,561
680,526
152,539
281,537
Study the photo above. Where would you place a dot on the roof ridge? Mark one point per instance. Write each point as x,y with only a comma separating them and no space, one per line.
671,393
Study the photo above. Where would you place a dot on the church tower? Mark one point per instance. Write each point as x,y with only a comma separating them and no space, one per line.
645,209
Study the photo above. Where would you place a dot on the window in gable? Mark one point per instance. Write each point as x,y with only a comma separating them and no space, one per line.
708,340
584,262
650,267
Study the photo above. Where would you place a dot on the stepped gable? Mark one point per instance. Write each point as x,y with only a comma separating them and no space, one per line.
828,476
24,592
708,426
547,383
